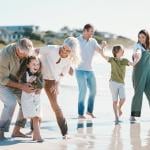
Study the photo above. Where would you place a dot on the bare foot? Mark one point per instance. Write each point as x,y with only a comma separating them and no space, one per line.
81,117
132,119
37,137
19,134
117,121
66,137
91,115
39,140
120,111
29,133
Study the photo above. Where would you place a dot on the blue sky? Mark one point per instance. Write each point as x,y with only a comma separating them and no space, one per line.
123,17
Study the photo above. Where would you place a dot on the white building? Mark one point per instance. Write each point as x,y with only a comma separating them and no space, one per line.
12,33
19,29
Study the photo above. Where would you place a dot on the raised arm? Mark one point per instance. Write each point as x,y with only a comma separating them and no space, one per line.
103,55
100,50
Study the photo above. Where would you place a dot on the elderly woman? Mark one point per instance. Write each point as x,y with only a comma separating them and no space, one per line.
56,61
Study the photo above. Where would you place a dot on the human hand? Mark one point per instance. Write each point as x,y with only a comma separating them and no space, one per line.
27,87
37,91
54,88
71,71
137,55
103,44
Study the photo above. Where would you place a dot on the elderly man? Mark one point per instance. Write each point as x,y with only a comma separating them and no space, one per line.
10,89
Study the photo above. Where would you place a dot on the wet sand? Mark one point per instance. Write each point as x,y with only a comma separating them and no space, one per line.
87,135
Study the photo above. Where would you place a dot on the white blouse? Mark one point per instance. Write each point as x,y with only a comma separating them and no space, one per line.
49,56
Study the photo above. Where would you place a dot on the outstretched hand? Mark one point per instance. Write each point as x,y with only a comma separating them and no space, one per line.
137,55
103,44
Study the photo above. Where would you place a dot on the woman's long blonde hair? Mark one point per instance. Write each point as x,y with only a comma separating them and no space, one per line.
73,44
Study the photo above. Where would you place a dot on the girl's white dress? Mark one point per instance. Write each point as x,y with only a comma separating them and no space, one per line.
30,102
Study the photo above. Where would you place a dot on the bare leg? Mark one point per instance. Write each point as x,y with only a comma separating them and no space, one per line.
31,128
121,102
115,110
55,106
20,123
36,130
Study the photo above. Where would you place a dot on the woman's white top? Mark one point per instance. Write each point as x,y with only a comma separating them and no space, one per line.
30,102
51,67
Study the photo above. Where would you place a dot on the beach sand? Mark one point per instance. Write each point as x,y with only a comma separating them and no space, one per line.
100,133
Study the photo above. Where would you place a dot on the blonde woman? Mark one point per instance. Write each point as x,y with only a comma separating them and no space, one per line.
56,62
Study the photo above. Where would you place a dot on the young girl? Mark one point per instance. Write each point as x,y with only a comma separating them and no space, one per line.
30,102
116,83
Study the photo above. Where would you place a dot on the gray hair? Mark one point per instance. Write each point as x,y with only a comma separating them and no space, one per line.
25,44
73,44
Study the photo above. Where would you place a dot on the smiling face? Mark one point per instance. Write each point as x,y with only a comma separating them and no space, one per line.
64,51
34,65
142,38
88,33
120,53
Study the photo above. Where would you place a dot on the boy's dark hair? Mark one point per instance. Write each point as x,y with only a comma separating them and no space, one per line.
87,27
116,49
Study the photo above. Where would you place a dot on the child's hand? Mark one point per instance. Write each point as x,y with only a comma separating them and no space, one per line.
137,55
